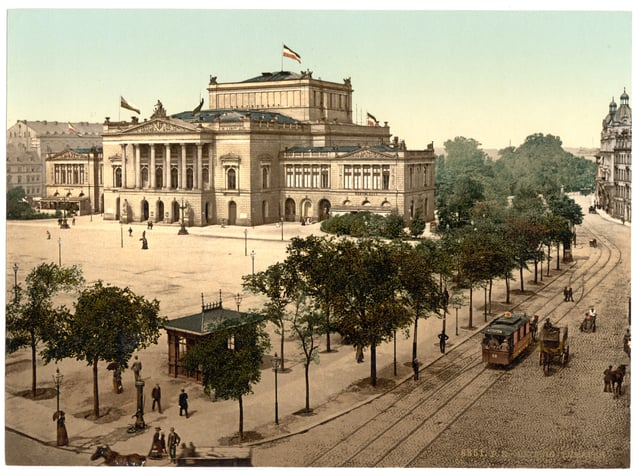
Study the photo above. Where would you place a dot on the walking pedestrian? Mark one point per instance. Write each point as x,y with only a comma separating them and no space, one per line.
359,353
48,235
566,294
156,445
173,440
443,341
155,395
571,294
182,401
607,379
130,231
137,368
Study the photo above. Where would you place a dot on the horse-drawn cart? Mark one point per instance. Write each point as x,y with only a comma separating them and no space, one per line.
588,323
554,346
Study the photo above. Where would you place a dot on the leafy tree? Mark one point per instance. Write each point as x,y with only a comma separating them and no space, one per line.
109,324
367,309
417,225
393,227
32,315
420,290
278,283
312,258
306,323
229,361
17,205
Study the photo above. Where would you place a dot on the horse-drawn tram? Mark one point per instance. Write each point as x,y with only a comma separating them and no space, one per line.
505,338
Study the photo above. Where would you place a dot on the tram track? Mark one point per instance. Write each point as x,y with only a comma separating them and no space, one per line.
396,428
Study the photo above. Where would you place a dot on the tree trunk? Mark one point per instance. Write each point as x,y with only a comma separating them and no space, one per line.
414,351
508,290
535,271
490,291
306,386
470,307
374,380
558,256
328,316
240,428
33,364
548,260
96,401
282,346
521,277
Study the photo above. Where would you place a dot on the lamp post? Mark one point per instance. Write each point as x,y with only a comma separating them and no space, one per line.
457,306
395,361
183,230
57,381
238,298
281,228
245,241
121,236
60,251
275,362
15,282
253,259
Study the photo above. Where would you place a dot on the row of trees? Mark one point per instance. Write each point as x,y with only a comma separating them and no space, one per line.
367,224
108,323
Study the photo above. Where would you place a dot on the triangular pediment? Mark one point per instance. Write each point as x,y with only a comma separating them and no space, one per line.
161,126
368,154
68,155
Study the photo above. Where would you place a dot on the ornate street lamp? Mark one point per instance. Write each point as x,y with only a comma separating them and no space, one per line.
275,362
253,259
281,228
183,230
238,299
57,381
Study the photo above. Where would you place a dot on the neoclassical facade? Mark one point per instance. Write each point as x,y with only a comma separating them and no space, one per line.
278,146
613,163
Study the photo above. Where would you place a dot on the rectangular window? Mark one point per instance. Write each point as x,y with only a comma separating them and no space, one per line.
298,176
385,177
376,177
324,176
356,177
315,176
306,176
289,174
347,176
366,175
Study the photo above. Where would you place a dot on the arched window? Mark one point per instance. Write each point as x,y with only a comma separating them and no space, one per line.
117,179
231,179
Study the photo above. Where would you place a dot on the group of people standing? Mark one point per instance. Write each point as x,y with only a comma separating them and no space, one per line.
568,294
159,445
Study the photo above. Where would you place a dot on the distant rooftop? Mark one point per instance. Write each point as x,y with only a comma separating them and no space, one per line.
276,76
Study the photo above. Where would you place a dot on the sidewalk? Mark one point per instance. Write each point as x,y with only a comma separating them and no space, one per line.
337,384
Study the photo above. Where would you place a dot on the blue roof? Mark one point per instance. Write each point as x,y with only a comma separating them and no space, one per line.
276,76
340,148
234,115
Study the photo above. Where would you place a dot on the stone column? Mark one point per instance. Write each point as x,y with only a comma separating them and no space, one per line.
136,164
167,164
124,165
183,164
152,167
198,169
211,166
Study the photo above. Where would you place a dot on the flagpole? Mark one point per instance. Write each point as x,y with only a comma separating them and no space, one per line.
282,60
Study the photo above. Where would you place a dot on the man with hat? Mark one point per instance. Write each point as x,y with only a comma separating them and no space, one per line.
173,440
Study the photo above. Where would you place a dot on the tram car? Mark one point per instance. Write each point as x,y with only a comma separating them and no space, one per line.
506,338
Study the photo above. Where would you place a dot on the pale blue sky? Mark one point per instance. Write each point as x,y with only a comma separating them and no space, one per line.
495,76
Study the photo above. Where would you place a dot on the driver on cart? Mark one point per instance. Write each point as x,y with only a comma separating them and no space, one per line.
592,312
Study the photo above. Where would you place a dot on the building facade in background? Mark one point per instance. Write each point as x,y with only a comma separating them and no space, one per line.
613,162
29,143
279,146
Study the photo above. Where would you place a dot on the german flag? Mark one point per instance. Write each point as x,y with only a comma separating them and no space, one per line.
289,53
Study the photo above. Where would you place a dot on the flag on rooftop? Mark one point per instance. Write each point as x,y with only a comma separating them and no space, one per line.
72,129
371,120
198,107
289,53
124,104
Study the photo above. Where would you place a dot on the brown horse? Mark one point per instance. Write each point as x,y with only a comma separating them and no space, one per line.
617,377
113,458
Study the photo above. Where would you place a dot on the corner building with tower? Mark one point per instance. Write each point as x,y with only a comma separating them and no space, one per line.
279,146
